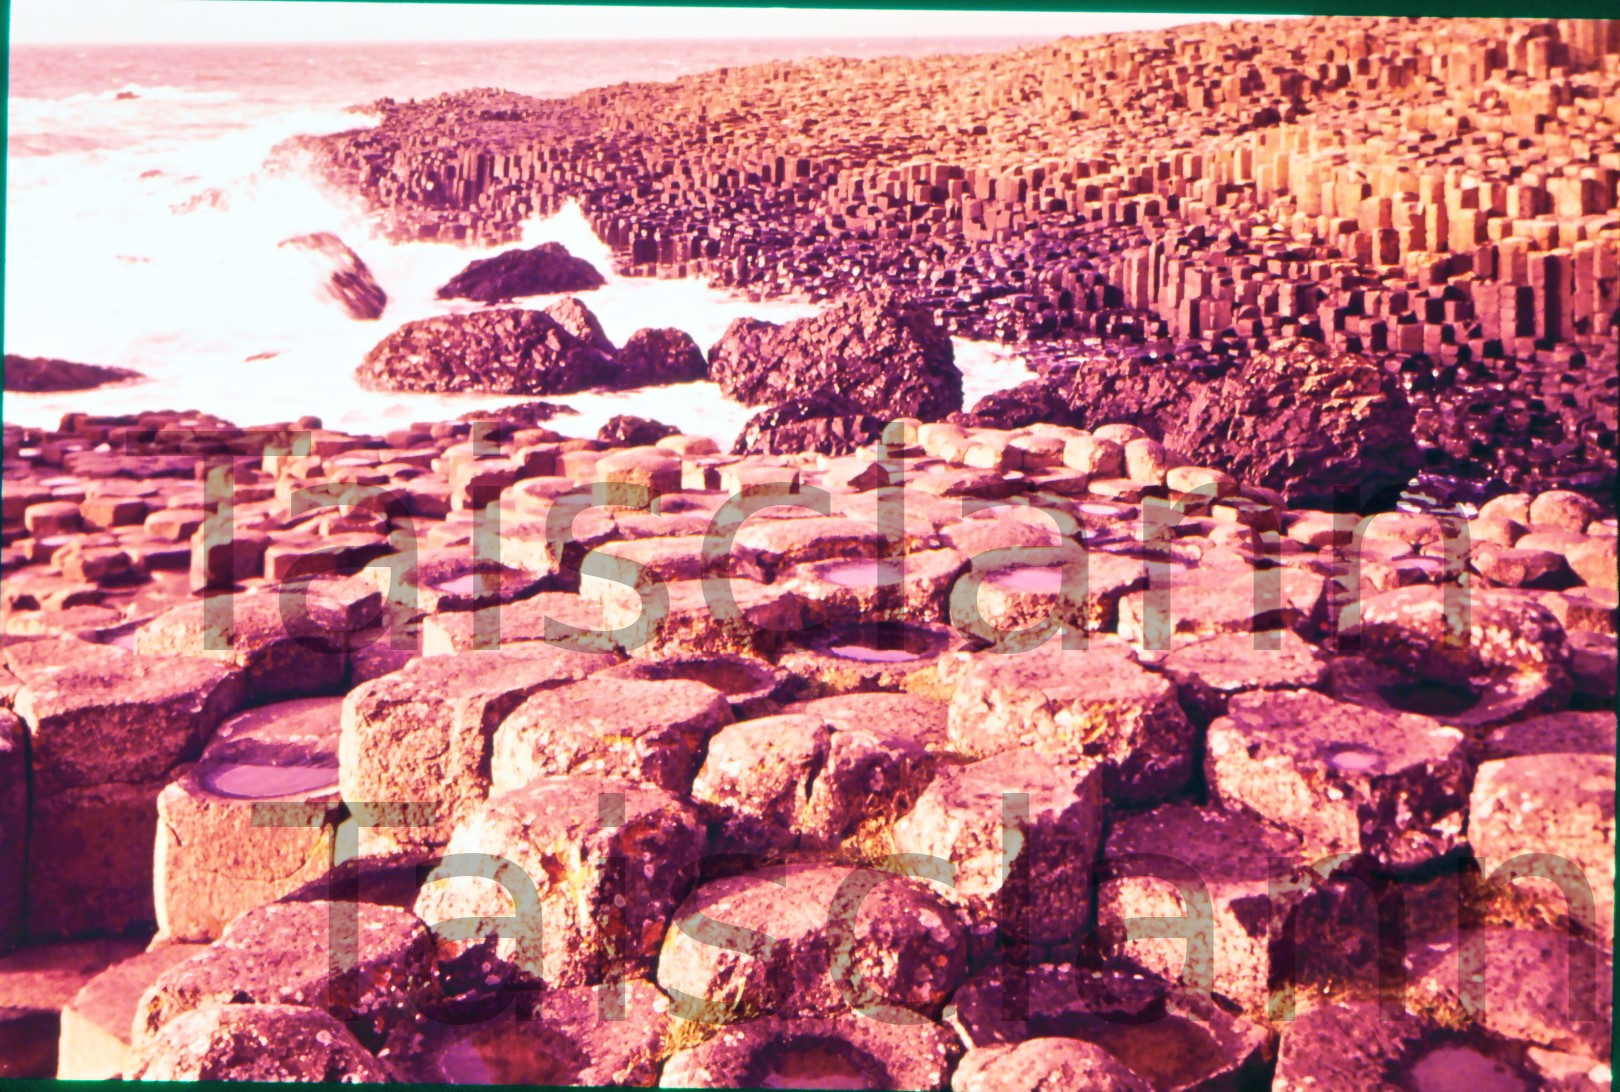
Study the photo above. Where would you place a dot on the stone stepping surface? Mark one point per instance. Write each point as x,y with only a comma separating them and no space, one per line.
1062,790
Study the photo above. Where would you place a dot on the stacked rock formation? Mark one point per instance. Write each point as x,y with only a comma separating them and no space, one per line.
1437,194
973,759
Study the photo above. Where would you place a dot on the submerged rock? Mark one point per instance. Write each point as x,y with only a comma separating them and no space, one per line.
350,281
512,273
42,375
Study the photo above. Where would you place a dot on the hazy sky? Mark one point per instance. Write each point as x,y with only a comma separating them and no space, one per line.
89,21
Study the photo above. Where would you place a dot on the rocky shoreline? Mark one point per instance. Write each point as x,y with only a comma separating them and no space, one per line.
1253,674
1116,731
1438,195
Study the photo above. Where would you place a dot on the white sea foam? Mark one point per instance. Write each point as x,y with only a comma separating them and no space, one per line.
143,233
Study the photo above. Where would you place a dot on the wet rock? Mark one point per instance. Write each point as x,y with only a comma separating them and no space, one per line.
282,954
1021,833
213,861
349,280
653,357
871,348
263,1042
426,733
590,868
652,732
1343,778
578,320
845,1051
802,940
537,271
1040,1063
29,374
827,423
497,352
1095,702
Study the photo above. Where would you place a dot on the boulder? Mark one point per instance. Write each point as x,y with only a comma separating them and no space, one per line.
829,424
579,320
1298,418
882,355
625,430
504,351
655,356
348,279
30,374
538,271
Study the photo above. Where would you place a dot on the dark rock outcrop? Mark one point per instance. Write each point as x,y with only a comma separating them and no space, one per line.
534,272
1028,403
824,423
1298,418
628,431
498,352
350,282
871,349
656,356
41,375
1305,421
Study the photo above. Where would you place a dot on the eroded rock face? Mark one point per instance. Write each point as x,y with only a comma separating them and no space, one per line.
538,271
504,351
883,356
40,375
349,281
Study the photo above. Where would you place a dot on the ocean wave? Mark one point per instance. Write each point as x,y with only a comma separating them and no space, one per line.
36,144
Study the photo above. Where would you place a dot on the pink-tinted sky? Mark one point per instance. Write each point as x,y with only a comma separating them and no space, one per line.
116,21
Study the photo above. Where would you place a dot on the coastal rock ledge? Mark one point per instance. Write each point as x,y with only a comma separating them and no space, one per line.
43,375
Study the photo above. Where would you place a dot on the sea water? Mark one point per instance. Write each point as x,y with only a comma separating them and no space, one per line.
148,189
